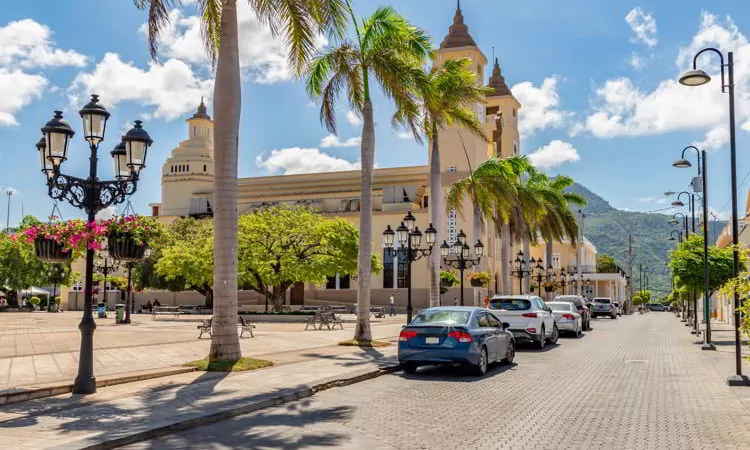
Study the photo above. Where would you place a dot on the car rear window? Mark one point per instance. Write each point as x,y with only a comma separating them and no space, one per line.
602,300
559,306
569,299
510,304
442,317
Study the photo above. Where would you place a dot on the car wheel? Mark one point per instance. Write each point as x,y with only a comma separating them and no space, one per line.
542,340
481,368
410,368
555,335
614,317
510,354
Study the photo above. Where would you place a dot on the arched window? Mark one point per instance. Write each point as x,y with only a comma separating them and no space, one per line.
204,168
188,168
195,130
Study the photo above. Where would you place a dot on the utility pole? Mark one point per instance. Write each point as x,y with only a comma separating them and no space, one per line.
630,269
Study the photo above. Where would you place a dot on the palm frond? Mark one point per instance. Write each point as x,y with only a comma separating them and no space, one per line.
158,19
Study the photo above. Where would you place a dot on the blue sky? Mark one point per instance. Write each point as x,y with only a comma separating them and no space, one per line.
596,80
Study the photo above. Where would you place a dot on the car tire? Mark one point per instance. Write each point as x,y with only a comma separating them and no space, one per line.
481,368
510,354
555,335
542,340
614,317
410,368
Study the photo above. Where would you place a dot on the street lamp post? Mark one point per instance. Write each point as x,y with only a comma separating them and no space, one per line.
563,279
55,276
92,195
550,277
679,236
461,259
675,221
698,77
691,205
106,266
410,240
521,271
539,271
703,172
9,193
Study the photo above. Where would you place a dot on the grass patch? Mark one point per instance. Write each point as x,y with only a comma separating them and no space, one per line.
367,344
241,365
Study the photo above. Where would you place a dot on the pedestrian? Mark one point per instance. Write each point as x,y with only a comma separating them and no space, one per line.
392,305
148,306
156,302
455,301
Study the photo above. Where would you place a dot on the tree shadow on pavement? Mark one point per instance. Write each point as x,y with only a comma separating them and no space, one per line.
295,426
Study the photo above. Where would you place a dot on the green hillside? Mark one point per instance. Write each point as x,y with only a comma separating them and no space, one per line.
608,229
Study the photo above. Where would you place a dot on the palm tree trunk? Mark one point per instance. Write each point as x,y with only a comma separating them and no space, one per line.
549,263
526,251
436,211
363,331
225,344
507,287
477,232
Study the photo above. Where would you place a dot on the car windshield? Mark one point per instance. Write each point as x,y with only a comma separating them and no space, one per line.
442,317
510,304
602,300
559,306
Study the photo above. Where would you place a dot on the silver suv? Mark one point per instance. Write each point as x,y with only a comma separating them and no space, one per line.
603,306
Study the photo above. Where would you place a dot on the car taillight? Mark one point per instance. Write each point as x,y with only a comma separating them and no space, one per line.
460,336
531,330
568,316
406,335
533,314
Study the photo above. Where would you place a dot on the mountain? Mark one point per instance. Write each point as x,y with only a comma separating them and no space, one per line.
608,229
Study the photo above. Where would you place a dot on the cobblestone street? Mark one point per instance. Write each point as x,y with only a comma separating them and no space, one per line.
639,382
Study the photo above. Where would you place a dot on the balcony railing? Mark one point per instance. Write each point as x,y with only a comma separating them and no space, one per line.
592,269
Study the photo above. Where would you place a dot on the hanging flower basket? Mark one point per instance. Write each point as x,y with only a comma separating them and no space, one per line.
51,251
549,288
479,279
477,283
124,247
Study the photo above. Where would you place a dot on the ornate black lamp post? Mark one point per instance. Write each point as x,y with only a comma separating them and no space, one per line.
539,272
106,266
92,195
675,221
55,275
697,77
410,239
520,271
678,238
461,258
563,279
702,171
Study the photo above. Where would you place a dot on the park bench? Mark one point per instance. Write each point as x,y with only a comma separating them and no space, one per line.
246,326
205,327
377,311
173,311
329,320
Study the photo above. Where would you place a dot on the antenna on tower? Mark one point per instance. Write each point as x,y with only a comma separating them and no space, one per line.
493,52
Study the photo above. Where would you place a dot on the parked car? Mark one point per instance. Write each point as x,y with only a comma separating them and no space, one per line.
603,306
567,317
656,307
455,334
582,307
529,319
618,307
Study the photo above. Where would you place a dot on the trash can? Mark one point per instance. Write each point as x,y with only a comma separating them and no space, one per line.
101,309
119,313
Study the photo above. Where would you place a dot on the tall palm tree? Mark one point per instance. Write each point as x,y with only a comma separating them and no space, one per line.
443,93
392,51
299,22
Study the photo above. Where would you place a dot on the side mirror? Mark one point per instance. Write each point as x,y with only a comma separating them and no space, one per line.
506,325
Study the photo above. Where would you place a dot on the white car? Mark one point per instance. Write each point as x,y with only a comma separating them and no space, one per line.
619,308
528,318
567,317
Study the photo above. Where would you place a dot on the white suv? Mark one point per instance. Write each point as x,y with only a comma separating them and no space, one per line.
529,319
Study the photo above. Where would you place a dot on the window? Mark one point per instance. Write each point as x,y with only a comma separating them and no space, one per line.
442,316
514,112
187,168
510,304
493,321
555,260
344,282
484,321
195,131
331,282
171,169
204,168
451,169
452,226
515,147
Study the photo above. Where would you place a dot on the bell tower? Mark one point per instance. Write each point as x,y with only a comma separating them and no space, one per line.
188,172
459,43
502,116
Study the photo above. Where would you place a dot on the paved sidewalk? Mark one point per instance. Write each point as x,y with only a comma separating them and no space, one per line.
71,422
48,352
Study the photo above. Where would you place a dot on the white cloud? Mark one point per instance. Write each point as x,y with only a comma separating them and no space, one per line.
553,154
716,138
107,213
404,135
353,118
17,89
644,27
262,56
637,60
333,141
646,199
295,160
27,43
623,109
171,88
746,126
719,215
540,106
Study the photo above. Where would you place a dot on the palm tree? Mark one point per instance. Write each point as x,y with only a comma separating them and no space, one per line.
443,93
391,50
298,22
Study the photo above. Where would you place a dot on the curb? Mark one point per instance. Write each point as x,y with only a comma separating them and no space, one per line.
53,389
277,400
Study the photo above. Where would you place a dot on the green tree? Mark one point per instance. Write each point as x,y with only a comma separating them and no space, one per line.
280,246
605,263
686,262
391,51
299,22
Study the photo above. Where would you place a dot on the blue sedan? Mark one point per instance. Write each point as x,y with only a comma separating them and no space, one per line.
449,335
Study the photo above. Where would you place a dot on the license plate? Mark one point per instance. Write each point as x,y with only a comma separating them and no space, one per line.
431,340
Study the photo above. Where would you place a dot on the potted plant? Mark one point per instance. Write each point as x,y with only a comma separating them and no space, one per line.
35,302
58,242
479,279
448,278
129,236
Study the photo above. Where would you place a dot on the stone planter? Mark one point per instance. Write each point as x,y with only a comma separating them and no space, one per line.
124,248
51,251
